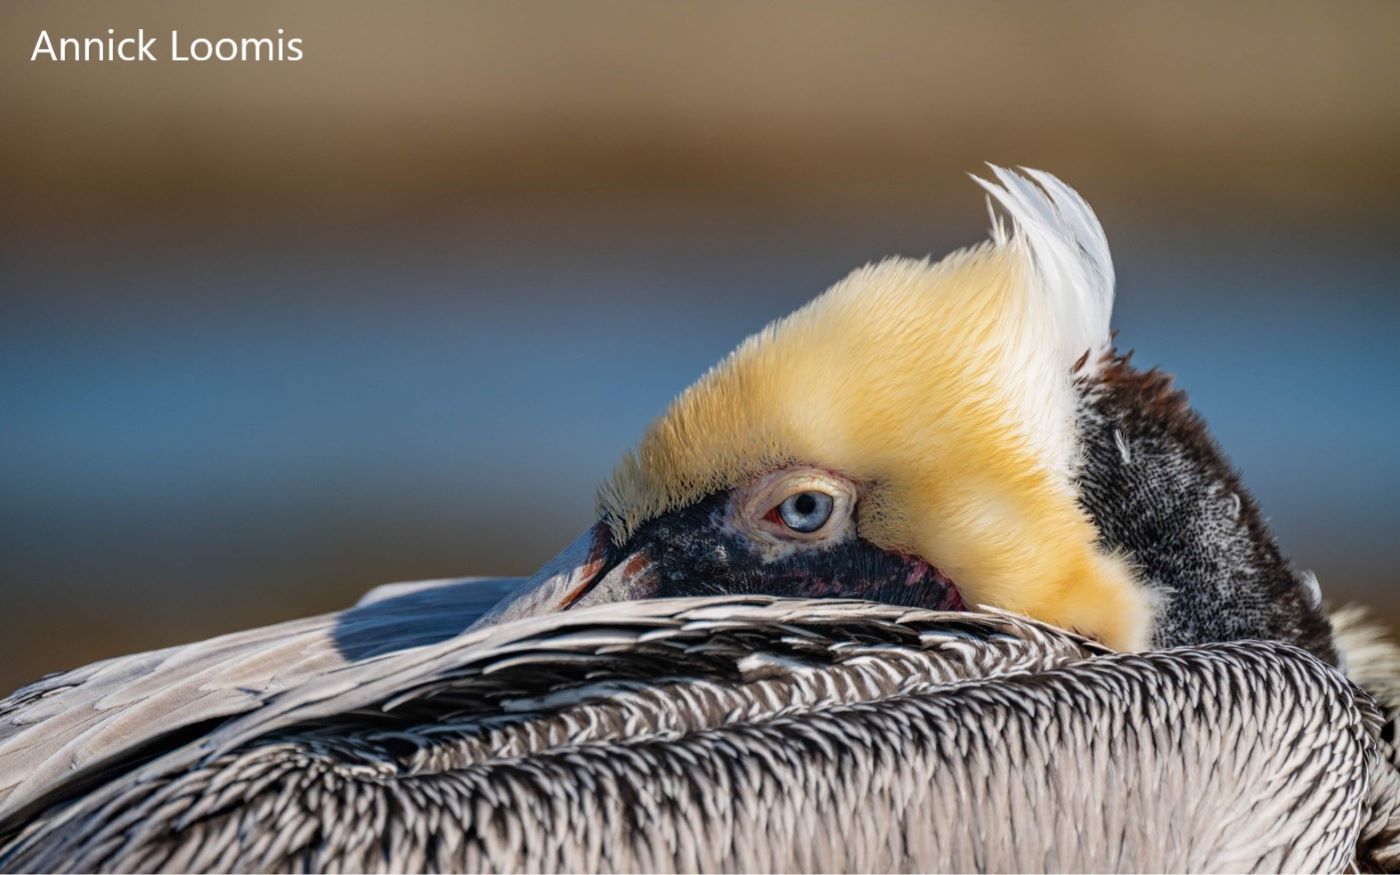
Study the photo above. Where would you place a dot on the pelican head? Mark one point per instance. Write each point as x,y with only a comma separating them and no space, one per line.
936,434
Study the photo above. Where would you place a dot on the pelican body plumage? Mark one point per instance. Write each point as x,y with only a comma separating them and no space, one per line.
714,734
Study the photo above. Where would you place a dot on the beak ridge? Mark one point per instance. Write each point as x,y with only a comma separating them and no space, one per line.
558,584
587,572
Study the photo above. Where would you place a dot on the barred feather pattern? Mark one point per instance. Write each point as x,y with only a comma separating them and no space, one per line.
747,734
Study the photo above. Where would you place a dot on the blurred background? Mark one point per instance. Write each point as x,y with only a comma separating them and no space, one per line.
271,334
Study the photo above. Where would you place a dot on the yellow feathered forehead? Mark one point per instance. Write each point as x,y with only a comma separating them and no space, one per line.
944,389
896,368
867,380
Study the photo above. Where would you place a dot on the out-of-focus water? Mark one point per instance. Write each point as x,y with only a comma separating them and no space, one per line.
255,429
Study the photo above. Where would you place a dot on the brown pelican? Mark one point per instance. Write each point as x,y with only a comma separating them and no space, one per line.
1146,683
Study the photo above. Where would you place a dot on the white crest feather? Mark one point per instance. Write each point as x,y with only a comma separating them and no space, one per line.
1068,250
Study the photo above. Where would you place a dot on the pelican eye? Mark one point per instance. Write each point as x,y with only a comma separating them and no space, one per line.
806,511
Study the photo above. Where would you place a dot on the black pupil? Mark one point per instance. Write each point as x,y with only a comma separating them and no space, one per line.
805,503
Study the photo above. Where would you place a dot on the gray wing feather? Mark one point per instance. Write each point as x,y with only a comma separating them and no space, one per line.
752,734
71,724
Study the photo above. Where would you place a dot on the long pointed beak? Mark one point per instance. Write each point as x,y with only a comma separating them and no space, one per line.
585,573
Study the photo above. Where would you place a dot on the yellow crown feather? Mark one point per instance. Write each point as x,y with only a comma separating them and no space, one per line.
946,390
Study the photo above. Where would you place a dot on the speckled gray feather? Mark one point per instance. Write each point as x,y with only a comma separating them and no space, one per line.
727,734
1163,493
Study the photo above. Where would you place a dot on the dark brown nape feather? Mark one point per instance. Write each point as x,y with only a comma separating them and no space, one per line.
1161,490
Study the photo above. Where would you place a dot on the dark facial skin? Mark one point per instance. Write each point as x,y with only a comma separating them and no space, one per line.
693,552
